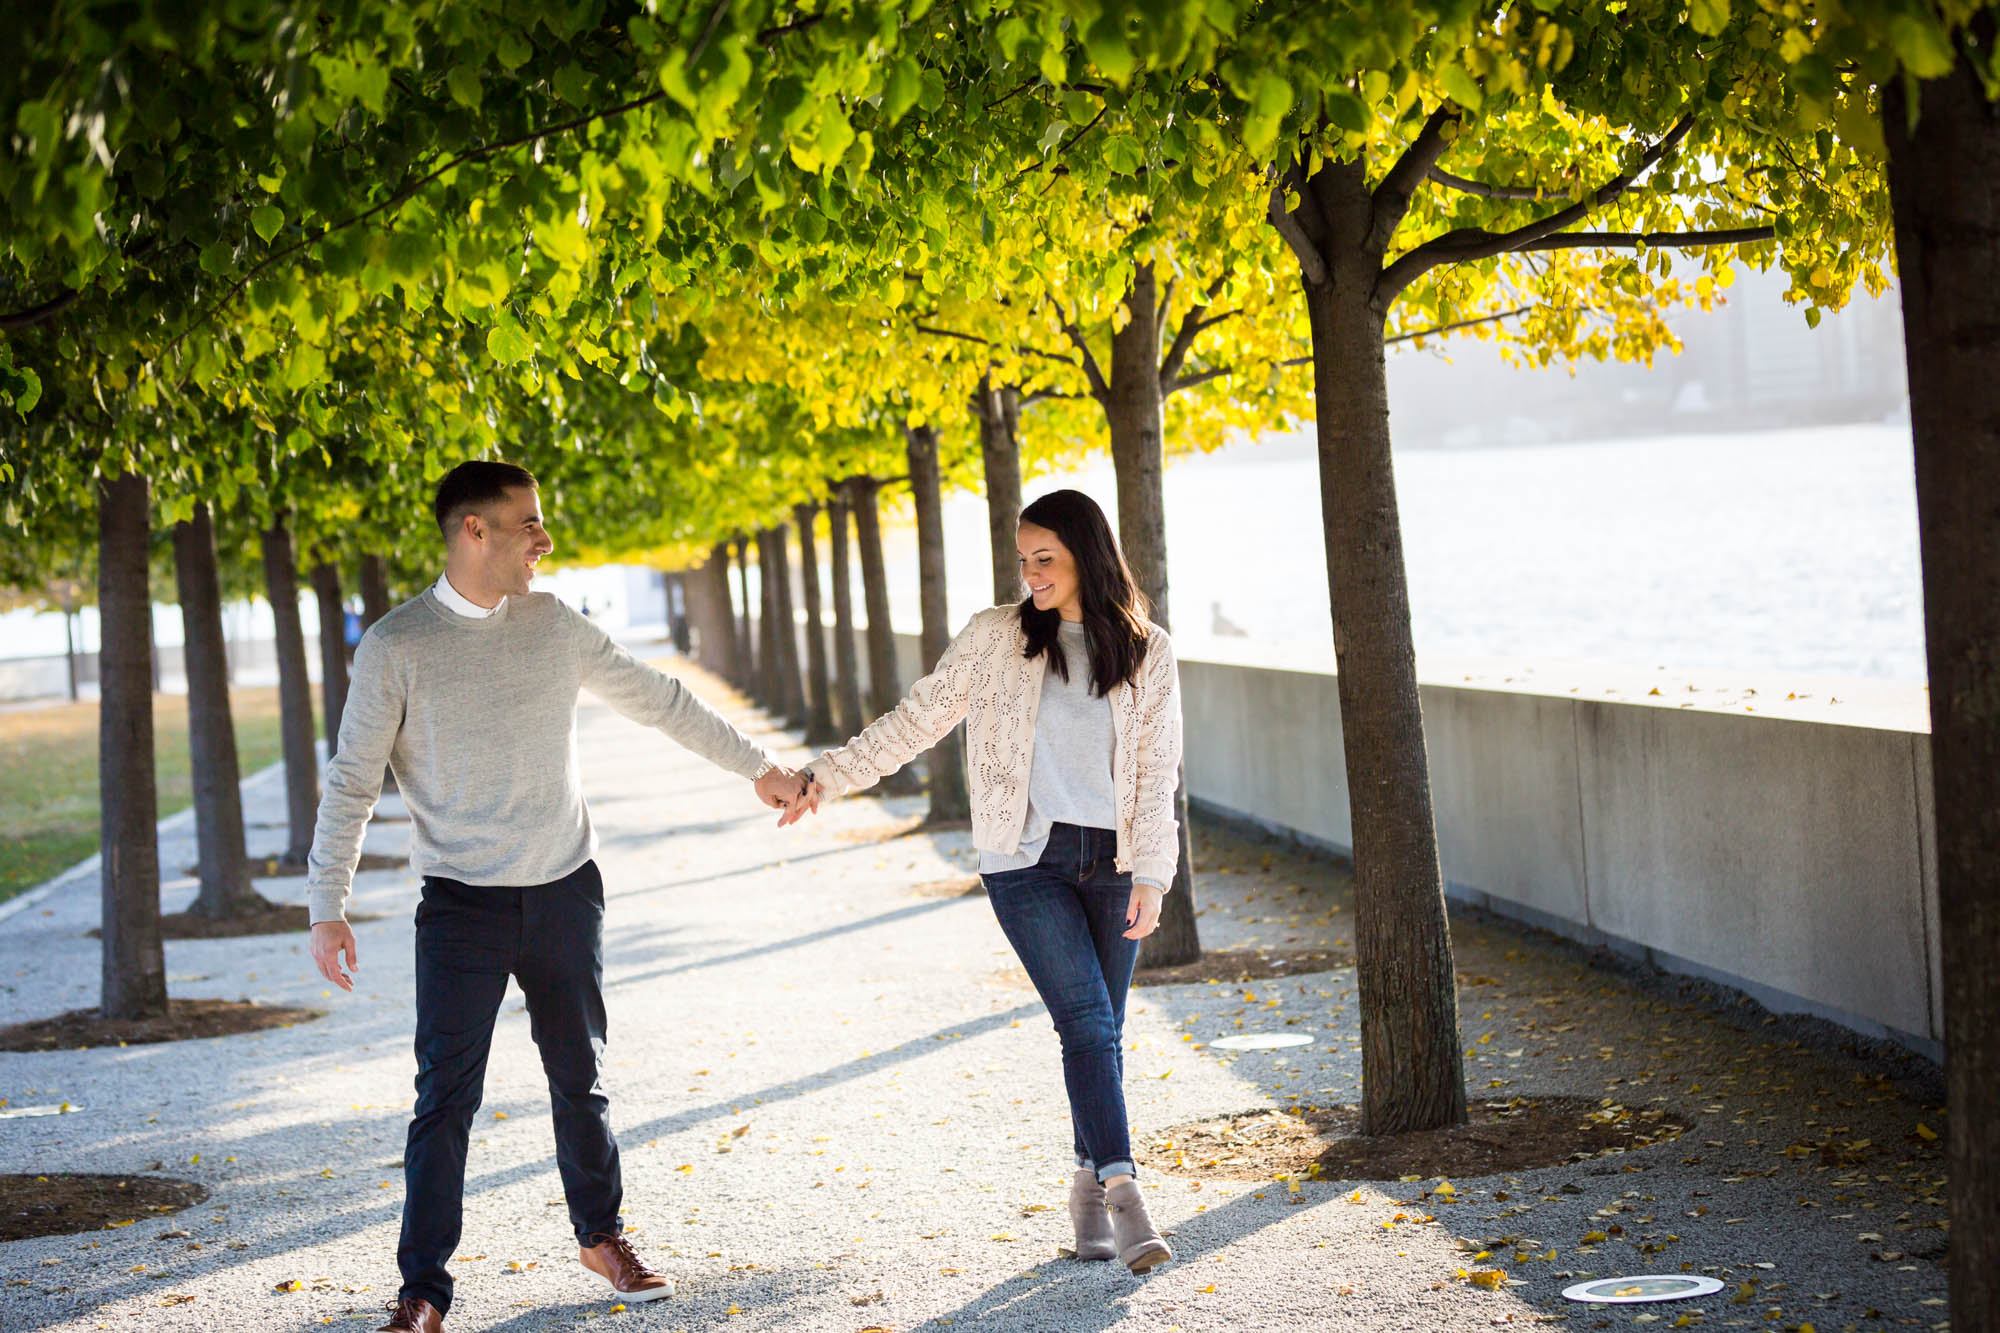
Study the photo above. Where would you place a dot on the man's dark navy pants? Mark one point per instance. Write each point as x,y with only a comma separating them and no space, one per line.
470,939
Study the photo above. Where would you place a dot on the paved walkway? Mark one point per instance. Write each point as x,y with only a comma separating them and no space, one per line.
838,1112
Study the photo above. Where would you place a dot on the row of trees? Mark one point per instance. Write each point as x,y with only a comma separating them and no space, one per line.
703,263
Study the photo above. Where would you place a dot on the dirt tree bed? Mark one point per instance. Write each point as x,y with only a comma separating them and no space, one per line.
1326,1144
272,867
61,1205
82,1029
279,919
1236,966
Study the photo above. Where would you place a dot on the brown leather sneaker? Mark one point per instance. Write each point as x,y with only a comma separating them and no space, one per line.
414,1315
613,1259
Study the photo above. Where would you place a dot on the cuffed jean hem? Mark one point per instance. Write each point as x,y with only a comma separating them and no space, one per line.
1108,1170
440,1300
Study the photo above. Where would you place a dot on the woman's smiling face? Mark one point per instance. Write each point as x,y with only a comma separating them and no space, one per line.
1049,570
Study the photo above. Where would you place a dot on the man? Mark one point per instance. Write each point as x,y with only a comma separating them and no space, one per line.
468,693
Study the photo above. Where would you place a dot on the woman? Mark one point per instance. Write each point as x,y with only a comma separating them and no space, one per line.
1073,733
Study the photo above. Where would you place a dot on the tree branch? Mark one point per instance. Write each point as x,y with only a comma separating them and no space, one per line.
1456,325
1311,263
1100,388
1467,186
1061,148
35,314
1391,198
1199,377
1469,243
411,187
770,35
935,332
1636,240
1192,325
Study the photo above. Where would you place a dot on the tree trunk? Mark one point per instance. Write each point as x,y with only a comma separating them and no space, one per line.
999,414
218,798
713,615
332,651
884,689
746,639
295,708
1412,1068
673,587
1135,409
69,645
374,590
1944,190
949,801
785,624
770,677
847,669
134,962
153,646
819,692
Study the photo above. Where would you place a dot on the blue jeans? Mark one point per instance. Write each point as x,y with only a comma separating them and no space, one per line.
1065,917
469,941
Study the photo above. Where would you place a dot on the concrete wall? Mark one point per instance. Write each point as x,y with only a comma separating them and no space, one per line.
1790,859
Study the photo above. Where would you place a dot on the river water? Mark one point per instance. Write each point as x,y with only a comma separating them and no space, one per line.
1791,550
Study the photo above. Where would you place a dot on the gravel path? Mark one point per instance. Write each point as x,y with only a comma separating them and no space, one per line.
838,1112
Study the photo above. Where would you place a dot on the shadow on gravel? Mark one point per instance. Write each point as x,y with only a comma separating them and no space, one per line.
796,942
861,1067
1084,1297
361,1207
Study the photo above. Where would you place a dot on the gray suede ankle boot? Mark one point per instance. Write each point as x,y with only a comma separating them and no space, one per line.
1086,1213
1139,1245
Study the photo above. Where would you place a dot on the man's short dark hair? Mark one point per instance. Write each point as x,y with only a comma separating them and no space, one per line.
474,485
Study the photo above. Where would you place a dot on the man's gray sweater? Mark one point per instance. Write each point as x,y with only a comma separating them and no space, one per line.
477,719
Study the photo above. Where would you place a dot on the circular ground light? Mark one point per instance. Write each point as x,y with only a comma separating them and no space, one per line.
1262,1041
1643,1290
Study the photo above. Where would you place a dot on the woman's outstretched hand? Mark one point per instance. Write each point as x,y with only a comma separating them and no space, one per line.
805,802
1143,913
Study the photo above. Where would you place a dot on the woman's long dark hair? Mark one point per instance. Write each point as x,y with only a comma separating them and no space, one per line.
1114,610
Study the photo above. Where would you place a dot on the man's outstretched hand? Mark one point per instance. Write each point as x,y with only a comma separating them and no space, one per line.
330,939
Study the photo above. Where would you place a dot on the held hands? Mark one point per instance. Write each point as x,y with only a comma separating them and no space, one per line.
1142,914
790,790
330,939
805,801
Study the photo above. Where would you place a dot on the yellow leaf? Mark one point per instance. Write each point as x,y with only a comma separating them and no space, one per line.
1925,1131
1210,1287
1489,1278
499,1115
1592,1237
1446,1188
290,1284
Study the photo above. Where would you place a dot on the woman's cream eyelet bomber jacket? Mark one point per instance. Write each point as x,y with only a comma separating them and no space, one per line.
984,679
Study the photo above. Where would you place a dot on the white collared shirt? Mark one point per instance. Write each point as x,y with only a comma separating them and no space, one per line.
458,603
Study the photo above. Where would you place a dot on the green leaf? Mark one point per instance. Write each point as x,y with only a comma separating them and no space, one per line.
1346,110
1812,316
1105,43
29,393
513,50
906,81
507,343
1461,87
1708,17
464,85
1921,45
267,219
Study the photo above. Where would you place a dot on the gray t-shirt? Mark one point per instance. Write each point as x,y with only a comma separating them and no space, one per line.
1069,776
477,719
